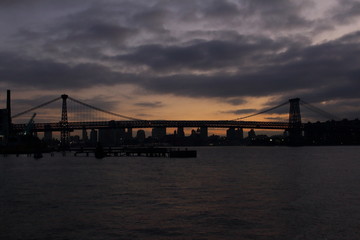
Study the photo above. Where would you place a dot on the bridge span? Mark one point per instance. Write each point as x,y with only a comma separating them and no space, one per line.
60,126
86,117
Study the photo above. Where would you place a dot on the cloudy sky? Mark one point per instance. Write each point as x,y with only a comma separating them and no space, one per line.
188,59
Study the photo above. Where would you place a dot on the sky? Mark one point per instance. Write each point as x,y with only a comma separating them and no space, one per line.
182,60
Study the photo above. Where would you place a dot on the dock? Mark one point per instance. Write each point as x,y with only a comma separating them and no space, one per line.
137,152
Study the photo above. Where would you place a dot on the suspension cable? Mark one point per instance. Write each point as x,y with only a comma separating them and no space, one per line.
104,111
319,111
265,111
34,108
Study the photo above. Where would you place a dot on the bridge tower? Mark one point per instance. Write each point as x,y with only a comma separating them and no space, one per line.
8,108
295,126
64,124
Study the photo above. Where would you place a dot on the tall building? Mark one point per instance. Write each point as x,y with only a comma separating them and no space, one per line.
180,132
120,136
204,133
252,134
5,121
233,134
84,135
4,126
93,137
129,134
140,136
158,133
48,134
107,137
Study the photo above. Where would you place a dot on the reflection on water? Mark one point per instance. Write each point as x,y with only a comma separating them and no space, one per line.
225,193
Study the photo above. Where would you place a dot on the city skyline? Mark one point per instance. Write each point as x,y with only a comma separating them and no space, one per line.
182,60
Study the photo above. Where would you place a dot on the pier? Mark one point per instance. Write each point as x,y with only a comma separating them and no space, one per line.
137,152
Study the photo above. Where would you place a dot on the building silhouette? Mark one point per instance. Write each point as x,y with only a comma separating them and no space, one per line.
5,121
234,134
85,137
252,134
158,133
140,136
48,134
93,137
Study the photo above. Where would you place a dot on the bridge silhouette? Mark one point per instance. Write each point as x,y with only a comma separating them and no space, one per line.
65,125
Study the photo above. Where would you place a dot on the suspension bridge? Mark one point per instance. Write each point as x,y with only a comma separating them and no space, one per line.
79,119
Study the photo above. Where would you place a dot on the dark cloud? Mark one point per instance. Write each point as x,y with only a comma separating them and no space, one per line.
330,68
11,3
243,111
278,14
81,35
153,19
110,23
234,101
149,104
98,33
35,101
351,38
221,9
346,11
47,74
97,101
276,119
226,50
205,54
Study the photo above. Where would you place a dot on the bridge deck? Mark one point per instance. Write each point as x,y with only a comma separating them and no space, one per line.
41,127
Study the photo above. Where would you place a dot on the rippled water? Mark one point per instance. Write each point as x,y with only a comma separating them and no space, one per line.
225,193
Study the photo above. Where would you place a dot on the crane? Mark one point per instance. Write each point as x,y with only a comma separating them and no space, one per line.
29,125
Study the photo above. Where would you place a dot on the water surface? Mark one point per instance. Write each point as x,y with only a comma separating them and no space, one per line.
225,193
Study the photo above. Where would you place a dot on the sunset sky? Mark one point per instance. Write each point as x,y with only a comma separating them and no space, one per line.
188,59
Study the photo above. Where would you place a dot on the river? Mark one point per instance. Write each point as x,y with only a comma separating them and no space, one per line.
224,193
